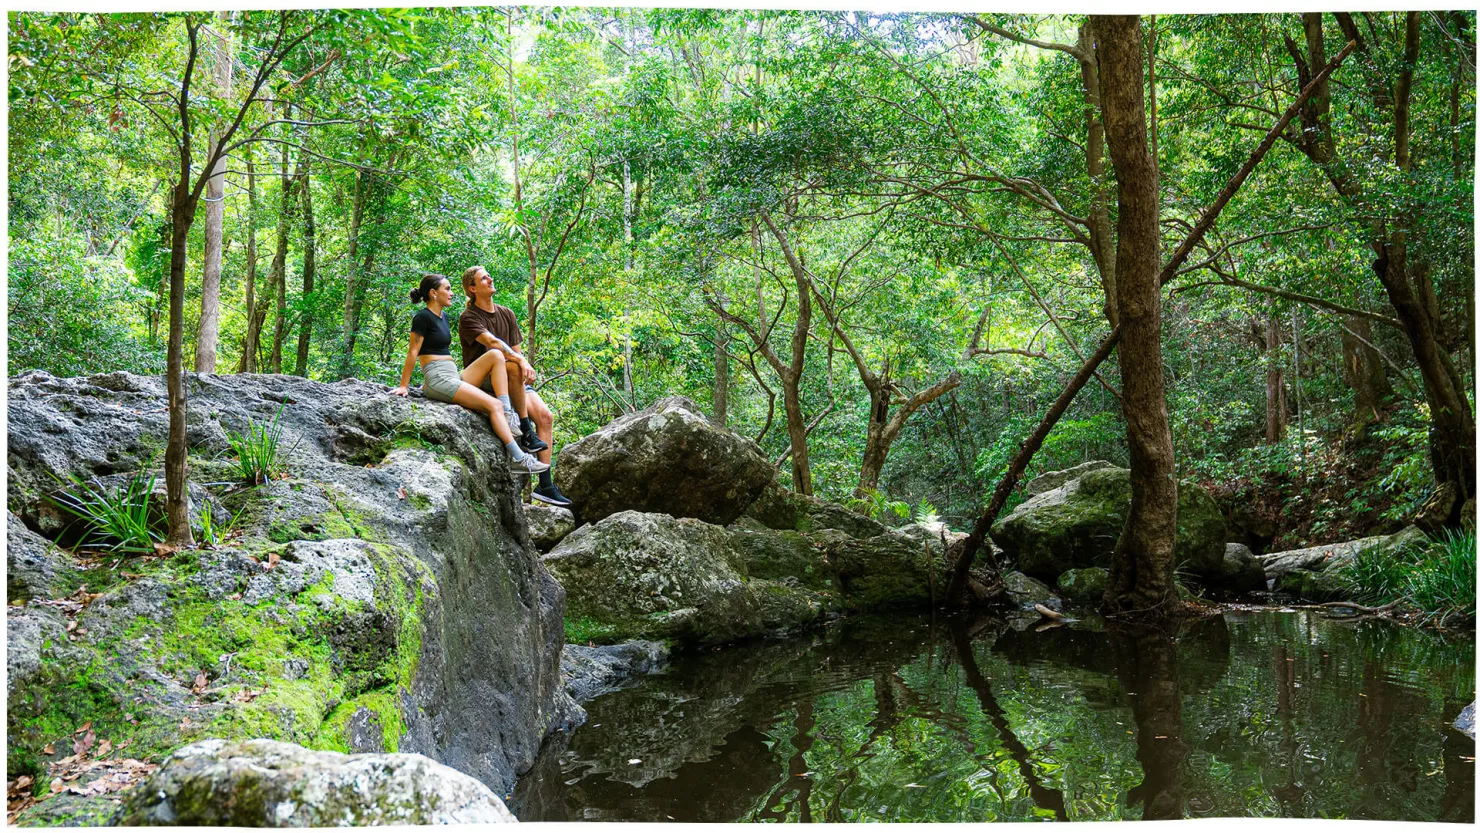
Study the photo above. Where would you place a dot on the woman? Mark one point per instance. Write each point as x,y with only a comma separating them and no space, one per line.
431,341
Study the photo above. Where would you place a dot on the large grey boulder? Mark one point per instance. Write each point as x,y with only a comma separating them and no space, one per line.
1077,524
1048,481
649,575
1026,591
1240,572
548,525
1404,543
265,783
779,508
385,595
667,458
35,567
1465,723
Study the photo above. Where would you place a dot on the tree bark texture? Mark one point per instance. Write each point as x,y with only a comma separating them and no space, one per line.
721,415
1101,238
1141,570
305,321
277,277
354,289
247,362
177,511
210,285
1363,369
1276,409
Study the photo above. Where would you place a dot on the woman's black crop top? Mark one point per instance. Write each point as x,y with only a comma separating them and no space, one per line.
433,328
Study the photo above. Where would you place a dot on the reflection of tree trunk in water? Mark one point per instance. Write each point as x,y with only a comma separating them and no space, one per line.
796,772
1046,797
1291,793
1374,730
1146,659
886,717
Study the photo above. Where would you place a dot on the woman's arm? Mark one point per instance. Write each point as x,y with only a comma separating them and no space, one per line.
411,353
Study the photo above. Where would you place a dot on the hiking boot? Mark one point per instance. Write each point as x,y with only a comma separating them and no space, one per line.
530,441
550,494
528,464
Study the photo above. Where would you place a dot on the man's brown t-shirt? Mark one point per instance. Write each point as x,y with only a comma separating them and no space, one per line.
501,324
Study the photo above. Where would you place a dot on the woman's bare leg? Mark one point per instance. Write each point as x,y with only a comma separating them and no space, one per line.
490,365
474,399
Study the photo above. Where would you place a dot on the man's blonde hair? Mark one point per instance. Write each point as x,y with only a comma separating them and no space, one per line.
470,280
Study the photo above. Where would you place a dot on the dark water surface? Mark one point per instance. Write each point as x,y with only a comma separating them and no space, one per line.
905,719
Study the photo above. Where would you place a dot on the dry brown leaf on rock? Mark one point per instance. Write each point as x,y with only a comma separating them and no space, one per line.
200,683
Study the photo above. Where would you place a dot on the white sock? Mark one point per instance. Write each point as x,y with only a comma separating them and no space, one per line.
508,406
515,451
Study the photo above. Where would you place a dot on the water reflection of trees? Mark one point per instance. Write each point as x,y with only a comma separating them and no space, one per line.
899,720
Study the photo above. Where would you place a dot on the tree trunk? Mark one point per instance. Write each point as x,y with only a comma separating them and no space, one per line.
354,290
1363,369
1101,240
1141,569
177,510
247,363
1276,411
796,430
721,414
277,278
210,286
875,444
305,321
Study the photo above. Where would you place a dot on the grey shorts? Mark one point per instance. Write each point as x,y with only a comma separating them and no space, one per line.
440,380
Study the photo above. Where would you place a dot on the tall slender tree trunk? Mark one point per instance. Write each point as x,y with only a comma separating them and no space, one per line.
1363,369
1141,570
1276,411
627,386
796,431
177,507
210,286
1101,240
277,278
354,290
721,416
247,363
305,321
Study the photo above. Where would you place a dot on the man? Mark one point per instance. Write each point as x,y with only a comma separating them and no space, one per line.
485,325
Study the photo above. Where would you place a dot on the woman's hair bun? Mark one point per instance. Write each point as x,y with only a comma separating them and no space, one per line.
416,296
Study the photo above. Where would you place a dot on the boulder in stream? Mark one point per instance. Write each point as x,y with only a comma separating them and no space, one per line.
1077,524
667,458
265,783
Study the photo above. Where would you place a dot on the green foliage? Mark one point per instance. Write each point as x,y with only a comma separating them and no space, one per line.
117,519
877,505
258,457
1436,580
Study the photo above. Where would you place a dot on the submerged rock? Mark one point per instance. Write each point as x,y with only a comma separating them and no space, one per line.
384,595
264,783
1077,524
1026,591
1465,723
1086,585
593,670
667,458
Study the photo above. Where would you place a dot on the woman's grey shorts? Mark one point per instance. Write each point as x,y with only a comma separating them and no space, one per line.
440,380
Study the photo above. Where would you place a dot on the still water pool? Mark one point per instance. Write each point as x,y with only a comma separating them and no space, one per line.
954,720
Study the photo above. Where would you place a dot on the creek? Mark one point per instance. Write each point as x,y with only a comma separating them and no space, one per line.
906,718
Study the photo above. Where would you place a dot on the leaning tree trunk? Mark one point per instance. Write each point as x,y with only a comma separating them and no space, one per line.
1141,569
875,444
305,321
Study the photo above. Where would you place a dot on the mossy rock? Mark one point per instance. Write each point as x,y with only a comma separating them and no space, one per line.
1085,585
1315,586
1078,524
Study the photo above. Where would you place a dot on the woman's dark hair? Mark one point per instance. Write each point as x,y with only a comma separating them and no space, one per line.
429,282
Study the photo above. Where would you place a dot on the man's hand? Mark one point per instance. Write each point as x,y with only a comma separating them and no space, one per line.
399,390
529,374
